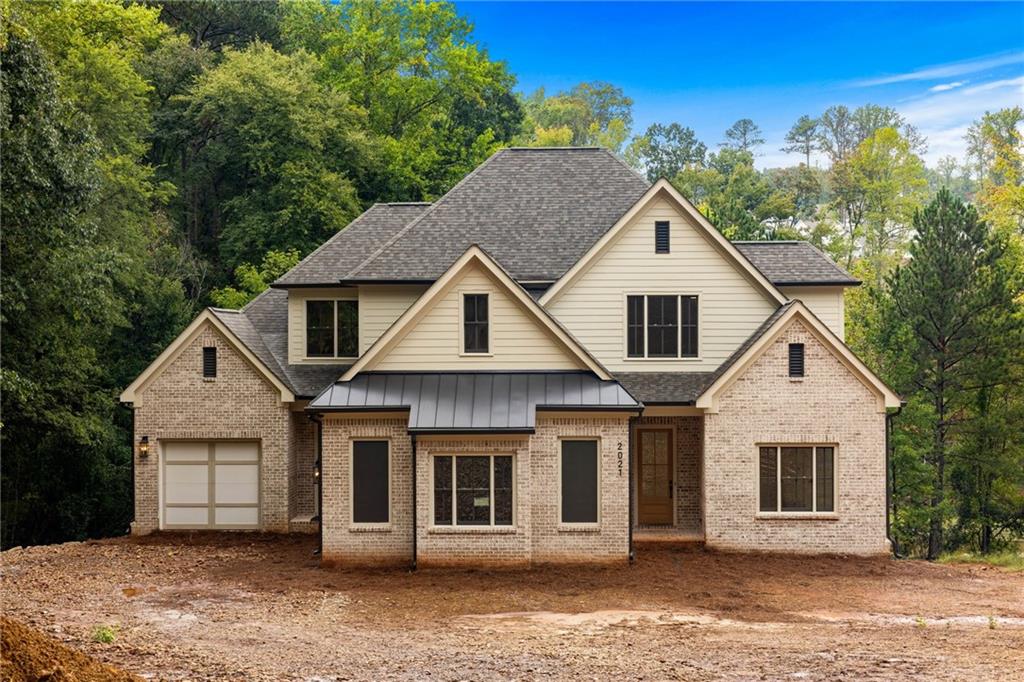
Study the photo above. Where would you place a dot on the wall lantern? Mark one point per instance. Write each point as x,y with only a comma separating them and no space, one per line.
144,446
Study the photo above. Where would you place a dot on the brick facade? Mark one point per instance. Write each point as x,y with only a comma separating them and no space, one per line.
536,536
827,406
179,404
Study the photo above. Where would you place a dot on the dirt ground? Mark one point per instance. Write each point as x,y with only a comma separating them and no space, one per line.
202,607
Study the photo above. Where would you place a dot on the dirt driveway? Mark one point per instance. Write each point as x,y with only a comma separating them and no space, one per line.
259,608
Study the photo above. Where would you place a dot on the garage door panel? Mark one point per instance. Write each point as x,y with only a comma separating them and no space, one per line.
187,483
237,452
187,516
236,483
194,452
237,516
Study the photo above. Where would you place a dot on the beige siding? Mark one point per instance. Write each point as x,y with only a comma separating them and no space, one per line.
825,302
593,307
518,341
379,307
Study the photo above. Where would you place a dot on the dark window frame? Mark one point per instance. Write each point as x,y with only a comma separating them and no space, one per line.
209,362
662,236
474,329
562,481
797,361
351,337
824,485
638,331
352,482
453,490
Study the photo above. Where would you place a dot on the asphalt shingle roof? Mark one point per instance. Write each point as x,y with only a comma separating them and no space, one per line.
794,263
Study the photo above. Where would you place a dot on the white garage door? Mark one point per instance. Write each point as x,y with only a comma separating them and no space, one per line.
211,484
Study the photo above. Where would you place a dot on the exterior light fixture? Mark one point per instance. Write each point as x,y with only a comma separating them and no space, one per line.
144,446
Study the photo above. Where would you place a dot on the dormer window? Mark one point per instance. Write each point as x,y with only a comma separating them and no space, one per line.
332,329
661,236
475,324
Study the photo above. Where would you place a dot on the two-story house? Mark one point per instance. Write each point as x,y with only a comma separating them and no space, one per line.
550,360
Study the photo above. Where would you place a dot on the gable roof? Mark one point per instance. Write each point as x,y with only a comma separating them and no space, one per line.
752,349
474,255
348,248
215,318
536,210
663,188
795,263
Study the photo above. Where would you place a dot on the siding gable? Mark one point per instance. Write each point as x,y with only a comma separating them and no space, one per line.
731,304
518,340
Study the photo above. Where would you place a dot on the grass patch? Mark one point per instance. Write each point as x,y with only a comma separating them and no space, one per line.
1009,559
104,634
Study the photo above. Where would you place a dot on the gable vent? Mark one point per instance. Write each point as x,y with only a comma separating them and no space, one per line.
661,236
209,362
796,359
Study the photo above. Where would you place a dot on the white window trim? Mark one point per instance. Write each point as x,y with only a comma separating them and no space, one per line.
364,525
334,326
462,323
814,514
626,357
589,525
455,527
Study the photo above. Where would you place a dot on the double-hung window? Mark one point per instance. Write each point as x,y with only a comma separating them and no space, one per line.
473,490
332,329
476,334
661,326
797,478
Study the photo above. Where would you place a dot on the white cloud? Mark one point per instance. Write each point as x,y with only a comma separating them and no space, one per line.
944,70
943,87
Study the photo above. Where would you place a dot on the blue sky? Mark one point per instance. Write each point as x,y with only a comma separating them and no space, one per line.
707,64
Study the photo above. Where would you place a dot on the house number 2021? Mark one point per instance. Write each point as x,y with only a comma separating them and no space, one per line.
619,456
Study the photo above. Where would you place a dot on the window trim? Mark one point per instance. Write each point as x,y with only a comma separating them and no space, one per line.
369,525
698,294
814,514
587,525
455,526
334,327
462,293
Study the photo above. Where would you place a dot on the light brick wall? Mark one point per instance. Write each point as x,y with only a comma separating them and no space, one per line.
828,406
688,439
239,403
302,484
536,535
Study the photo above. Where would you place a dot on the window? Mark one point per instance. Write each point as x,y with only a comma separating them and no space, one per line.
370,482
661,326
797,479
209,362
332,329
796,359
475,330
579,481
661,241
473,490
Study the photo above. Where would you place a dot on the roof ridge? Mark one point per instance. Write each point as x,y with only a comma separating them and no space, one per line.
643,179
433,207
771,241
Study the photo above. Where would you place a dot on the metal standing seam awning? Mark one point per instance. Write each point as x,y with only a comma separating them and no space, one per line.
486,402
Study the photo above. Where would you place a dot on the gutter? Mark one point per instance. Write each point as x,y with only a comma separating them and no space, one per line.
415,510
890,478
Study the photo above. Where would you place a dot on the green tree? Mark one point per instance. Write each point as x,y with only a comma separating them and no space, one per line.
954,298
744,135
802,138
253,280
595,114
664,151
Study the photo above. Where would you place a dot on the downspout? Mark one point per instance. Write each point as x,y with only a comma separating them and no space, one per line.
318,474
131,451
629,478
415,510
890,478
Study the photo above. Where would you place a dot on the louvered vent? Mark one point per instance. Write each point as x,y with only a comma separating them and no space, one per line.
209,362
661,236
796,359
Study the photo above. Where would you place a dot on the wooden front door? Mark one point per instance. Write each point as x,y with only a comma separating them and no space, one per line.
654,477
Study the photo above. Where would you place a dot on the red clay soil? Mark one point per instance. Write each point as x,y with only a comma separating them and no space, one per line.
27,655
243,606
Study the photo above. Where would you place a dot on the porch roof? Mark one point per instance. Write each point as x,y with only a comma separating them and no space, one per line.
466,402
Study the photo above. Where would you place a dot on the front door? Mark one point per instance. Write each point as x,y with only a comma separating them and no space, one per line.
654,477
